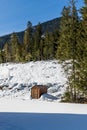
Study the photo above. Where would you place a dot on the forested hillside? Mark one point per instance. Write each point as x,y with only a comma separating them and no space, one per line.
49,26
35,43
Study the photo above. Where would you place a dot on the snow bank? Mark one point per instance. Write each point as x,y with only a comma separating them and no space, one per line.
4,73
17,79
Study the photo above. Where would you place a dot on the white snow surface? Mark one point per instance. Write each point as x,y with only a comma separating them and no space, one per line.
36,106
16,81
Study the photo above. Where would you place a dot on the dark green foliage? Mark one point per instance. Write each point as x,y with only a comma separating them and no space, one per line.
49,26
49,47
27,43
72,46
7,53
37,42
83,49
11,50
35,46
65,34
66,97
1,56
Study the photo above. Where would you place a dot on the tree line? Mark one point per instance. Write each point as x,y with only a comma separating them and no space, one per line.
35,46
68,44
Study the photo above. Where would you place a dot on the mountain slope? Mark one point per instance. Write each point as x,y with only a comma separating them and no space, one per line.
49,26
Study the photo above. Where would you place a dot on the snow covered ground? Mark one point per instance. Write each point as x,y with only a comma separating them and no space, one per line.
16,80
19,112
37,106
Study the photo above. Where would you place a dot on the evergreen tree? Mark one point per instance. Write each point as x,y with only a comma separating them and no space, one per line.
67,48
37,43
64,32
48,46
28,42
74,41
1,56
41,48
83,50
14,48
7,52
55,39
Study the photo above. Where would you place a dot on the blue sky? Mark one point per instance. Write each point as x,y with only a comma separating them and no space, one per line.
14,14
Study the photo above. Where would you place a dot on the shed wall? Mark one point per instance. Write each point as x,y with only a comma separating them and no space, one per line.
37,91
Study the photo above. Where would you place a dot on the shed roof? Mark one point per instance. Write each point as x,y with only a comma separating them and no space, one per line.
39,86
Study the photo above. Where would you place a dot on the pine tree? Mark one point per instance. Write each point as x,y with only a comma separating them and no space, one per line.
37,42
67,48
74,41
28,42
55,40
83,50
41,48
64,32
14,48
52,46
48,46
7,52
63,49
1,56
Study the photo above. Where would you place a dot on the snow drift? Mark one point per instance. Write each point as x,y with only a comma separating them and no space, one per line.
17,79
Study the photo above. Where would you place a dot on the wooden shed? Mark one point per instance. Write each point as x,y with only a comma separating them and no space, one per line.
38,90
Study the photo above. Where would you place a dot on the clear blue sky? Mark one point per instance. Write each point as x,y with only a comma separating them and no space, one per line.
14,14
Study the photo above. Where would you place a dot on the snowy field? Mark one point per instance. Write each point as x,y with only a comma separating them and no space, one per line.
19,112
